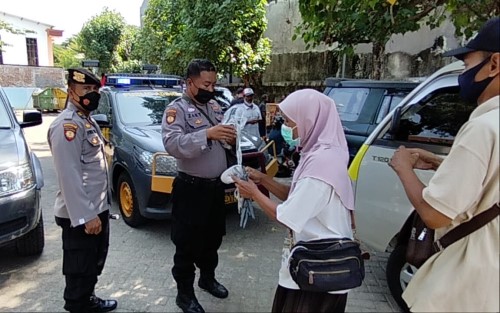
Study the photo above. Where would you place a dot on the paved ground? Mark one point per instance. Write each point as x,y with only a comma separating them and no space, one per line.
137,272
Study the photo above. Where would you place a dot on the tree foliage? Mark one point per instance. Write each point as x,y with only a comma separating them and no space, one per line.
67,54
100,37
350,22
229,33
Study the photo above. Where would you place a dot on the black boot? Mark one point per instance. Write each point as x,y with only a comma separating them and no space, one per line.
213,287
188,303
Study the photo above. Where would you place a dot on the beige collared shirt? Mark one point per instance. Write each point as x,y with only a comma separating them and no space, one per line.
465,276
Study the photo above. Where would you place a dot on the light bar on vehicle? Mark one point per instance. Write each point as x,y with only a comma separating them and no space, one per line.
156,80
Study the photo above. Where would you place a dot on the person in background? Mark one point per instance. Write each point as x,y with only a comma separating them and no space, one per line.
238,96
250,111
262,123
192,134
464,276
317,204
84,198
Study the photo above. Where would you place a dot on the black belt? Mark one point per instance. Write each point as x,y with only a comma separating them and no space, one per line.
194,180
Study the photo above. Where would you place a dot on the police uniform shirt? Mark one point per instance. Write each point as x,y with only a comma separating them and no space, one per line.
251,113
184,133
77,148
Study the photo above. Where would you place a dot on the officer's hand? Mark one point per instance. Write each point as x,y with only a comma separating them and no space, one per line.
93,227
222,132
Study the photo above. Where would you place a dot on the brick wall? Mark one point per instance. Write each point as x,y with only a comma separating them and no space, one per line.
31,76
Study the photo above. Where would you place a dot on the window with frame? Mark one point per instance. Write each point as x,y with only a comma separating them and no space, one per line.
389,102
32,50
350,102
436,119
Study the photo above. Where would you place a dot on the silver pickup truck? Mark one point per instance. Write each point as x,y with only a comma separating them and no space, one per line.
428,118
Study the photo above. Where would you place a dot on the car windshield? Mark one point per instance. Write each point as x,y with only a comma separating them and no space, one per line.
144,107
4,117
349,102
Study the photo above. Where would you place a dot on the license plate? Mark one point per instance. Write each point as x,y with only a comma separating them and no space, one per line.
229,197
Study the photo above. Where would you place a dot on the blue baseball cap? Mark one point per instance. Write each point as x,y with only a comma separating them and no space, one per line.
487,39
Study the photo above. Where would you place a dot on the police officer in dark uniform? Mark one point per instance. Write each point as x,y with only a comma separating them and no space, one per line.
83,200
192,134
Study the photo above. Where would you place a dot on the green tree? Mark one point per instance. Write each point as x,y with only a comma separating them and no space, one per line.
100,37
350,22
67,54
230,33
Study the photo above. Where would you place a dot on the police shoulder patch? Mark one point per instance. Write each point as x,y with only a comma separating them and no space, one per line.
170,116
70,131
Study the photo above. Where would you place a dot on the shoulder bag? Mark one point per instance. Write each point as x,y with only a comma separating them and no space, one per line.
421,244
327,264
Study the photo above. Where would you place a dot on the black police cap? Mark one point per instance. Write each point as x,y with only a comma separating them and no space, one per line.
487,39
82,76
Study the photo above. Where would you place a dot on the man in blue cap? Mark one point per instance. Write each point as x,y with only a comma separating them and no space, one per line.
463,277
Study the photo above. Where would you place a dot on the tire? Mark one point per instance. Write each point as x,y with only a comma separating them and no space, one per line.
399,274
33,242
127,201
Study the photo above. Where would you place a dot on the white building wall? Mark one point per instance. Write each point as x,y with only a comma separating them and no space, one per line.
15,52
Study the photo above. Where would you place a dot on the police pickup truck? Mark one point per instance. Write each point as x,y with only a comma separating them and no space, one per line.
130,114
428,118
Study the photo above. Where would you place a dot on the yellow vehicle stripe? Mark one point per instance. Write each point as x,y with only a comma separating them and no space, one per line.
356,163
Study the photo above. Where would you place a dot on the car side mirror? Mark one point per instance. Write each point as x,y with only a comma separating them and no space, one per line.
31,118
102,120
395,121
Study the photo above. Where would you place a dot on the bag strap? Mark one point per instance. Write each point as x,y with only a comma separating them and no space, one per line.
467,228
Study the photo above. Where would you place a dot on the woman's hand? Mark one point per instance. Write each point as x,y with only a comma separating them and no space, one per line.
247,189
255,175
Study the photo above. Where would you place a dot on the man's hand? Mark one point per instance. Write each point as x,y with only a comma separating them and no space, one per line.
426,160
222,132
403,160
93,227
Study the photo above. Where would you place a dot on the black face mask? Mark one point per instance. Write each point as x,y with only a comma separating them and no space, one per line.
90,101
470,90
203,96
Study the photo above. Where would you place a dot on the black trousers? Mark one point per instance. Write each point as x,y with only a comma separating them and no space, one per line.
291,300
83,260
198,225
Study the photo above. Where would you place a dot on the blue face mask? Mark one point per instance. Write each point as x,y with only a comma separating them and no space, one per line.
287,133
470,90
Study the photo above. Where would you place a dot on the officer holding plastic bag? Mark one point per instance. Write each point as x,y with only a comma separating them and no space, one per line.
192,133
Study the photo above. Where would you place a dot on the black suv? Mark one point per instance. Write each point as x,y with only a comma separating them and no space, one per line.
362,104
130,114
21,180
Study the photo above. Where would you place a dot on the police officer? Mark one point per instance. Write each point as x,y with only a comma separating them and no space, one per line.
83,200
192,134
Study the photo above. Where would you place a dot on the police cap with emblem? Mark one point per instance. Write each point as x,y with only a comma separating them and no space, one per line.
82,76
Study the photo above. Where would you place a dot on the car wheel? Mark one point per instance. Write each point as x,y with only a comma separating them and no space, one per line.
399,273
33,242
127,201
